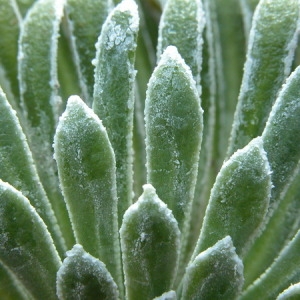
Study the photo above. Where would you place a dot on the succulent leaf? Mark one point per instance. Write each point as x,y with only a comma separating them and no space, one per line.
113,91
25,243
86,166
85,19
239,199
82,276
291,293
18,169
171,295
150,247
216,273
181,25
274,30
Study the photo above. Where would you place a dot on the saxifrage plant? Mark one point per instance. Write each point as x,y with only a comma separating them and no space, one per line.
74,220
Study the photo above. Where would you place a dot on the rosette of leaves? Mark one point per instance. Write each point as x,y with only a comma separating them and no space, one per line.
149,150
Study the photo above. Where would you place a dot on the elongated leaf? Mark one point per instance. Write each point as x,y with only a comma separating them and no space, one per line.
239,199
85,21
150,247
86,167
173,119
274,30
26,247
9,26
38,89
291,293
18,169
113,92
216,273
281,139
24,5
82,276
281,274
181,25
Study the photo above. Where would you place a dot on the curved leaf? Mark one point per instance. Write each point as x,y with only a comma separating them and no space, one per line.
113,91
86,167
26,246
39,95
216,273
239,199
82,276
150,247
18,169
291,293
274,30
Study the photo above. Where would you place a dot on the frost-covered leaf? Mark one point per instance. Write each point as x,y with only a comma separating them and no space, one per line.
239,199
281,136
9,27
216,273
171,295
26,246
173,119
281,139
291,293
85,22
181,25
274,31
113,91
38,88
282,273
18,169
150,247
86,167
82,276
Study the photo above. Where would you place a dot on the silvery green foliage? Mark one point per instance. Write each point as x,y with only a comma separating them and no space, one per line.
120,178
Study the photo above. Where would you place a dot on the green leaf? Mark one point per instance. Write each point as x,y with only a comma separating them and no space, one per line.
18,169
216,273
282,273
86,167
82,276
239,199
26,246
39,99
291,293
274,30
181,25
85,21
9,26
150,247
171,295
173,119
281,140
24,5
113,91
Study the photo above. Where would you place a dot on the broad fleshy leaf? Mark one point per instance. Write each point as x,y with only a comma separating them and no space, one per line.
113,91
18,169
171,295
281,274
181,25
150,247
239,199
216,273
86,167
39,95
85,22
173,118
274,31
82,276
26,246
